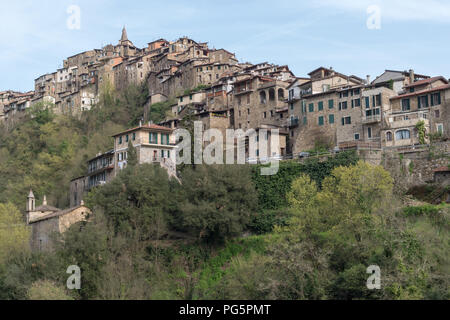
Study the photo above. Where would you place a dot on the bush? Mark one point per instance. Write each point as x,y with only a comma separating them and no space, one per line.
47,290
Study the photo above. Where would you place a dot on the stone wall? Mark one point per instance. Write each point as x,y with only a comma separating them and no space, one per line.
411,168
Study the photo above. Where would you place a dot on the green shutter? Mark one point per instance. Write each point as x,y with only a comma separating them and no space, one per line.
320,105
331,104
321,122
331,118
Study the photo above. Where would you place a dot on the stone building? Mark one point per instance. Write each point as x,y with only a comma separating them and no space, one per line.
100,171
153,143
257,103
46,220
426,101
396,80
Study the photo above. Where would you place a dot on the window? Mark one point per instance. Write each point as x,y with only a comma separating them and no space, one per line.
389,136
437,113
357,102
330,104
292,106
422,102
127,138
153,138
190,97
321,121
346,120
320,105
367,102
344,105
265,115
311,107
406,105
436,99
356,91
356,136
262,97
181,99
369,133
134,136
305,120
378,100
440,128
402,135
120,140
248,111
331,118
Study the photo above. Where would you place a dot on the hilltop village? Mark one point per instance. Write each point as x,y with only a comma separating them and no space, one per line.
397,111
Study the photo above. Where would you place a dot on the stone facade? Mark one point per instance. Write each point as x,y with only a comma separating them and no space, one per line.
46,221
153,143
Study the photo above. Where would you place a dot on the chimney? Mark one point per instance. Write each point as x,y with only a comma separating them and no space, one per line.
140,123
412,77
368,78
44,202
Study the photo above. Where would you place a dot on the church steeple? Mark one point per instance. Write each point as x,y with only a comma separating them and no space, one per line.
31,204
124,35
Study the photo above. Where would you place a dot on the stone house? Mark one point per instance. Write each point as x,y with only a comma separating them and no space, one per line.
427,102
100,171
153,143
397,80
46,220
259,103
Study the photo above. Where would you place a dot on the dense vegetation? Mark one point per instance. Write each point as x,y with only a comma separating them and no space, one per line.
309,232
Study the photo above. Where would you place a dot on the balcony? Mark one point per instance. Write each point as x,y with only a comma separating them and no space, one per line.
372,119
407,120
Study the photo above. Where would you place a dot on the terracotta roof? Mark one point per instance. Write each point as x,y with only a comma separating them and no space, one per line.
418,93
426,81
145,127
442,169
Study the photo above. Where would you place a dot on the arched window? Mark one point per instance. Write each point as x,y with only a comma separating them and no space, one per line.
389,136
271,95
402,135
280,94
262,96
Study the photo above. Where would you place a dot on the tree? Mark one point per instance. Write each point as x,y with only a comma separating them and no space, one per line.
132,159
14,234
218,201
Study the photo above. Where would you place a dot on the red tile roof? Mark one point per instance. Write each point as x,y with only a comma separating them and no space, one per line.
418,93
426,81
442,169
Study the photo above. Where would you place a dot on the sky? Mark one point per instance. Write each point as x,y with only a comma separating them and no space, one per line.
358,37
